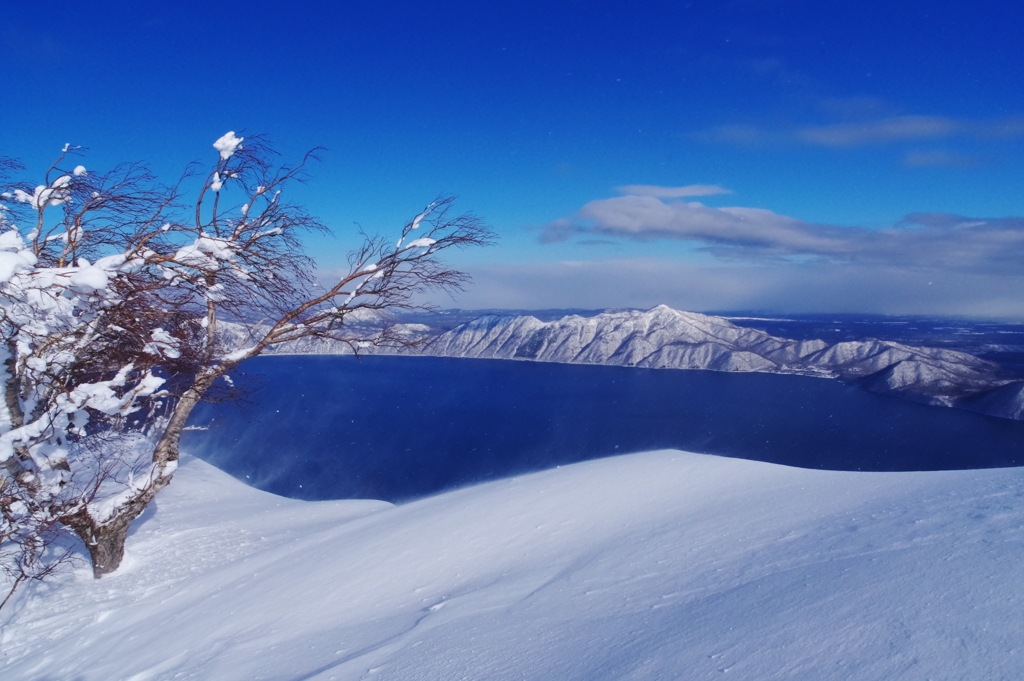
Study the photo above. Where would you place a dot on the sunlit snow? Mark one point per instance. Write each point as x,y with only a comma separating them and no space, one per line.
228,144
662,565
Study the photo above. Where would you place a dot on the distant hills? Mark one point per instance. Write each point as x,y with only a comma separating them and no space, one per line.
663,338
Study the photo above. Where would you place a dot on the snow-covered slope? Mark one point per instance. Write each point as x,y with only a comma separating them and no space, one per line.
658,338
664,565
665,338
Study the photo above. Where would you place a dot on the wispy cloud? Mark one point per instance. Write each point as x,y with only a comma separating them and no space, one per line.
923,240
672,192
791,288
942,159
647,218
879,131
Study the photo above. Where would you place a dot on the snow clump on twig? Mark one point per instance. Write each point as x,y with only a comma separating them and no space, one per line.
228,144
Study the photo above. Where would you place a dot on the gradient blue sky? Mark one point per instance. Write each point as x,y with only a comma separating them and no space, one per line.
829,123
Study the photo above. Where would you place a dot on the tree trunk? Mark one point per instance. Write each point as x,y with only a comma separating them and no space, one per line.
106,542
106,545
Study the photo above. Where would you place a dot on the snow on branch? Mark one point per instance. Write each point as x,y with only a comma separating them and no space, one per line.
227,145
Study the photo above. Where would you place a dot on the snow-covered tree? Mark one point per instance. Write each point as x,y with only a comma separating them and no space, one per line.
113,290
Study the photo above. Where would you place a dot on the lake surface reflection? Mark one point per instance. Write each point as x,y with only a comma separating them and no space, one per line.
397,428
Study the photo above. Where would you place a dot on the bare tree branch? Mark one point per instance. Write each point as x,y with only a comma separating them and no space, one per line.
112,317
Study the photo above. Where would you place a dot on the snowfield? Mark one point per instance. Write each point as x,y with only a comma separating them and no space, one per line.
663,565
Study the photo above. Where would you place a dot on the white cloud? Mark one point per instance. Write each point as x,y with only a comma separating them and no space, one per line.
645,217
672,192
922,240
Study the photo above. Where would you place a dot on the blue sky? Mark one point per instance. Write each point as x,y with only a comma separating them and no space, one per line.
873,153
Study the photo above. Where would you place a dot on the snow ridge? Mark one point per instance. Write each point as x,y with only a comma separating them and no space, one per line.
661,565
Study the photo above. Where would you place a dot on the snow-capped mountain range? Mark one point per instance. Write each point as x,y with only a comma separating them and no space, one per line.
664,338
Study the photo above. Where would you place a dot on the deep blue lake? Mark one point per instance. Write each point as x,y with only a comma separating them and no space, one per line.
397,428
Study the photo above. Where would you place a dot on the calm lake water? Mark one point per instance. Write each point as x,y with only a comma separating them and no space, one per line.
397,428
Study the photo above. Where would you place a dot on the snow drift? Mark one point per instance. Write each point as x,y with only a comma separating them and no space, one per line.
651,566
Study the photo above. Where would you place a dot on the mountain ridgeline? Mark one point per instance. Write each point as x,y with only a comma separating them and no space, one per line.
663,338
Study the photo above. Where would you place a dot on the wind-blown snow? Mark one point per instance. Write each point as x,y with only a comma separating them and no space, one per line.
662,565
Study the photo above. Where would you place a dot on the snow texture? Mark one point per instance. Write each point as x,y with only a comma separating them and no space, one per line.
49,315
162,344
227,145
423,242
89,279
662,565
